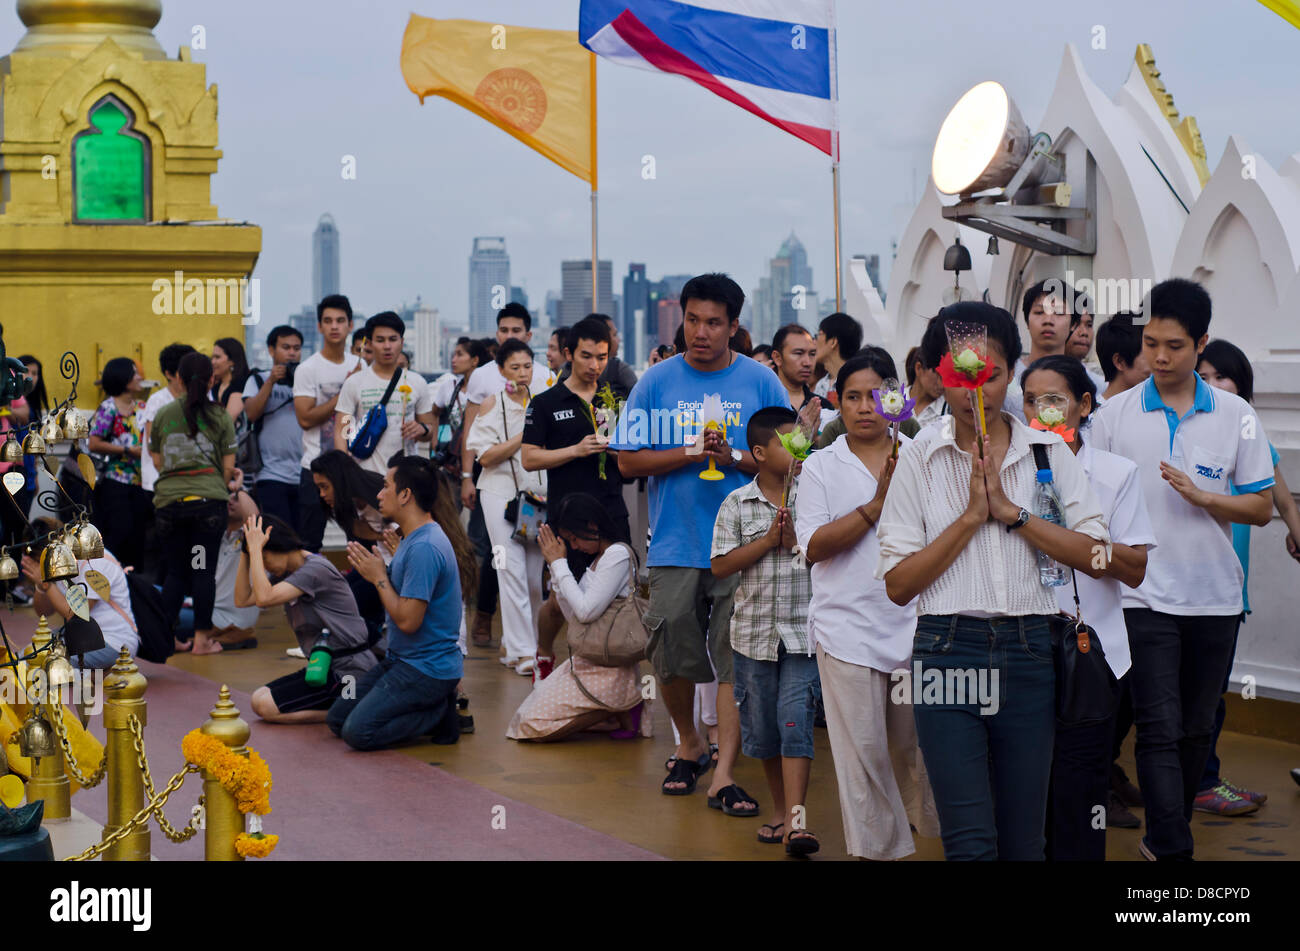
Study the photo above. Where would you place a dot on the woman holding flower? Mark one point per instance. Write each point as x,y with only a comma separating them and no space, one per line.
496,437
861,636
983,611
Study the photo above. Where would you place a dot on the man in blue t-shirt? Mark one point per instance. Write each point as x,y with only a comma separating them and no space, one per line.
684,428
412,691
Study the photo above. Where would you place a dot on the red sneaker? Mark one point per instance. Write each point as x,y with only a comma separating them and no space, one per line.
543,668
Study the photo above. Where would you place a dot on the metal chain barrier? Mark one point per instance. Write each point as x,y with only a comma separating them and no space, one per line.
86,782
137,739
153,806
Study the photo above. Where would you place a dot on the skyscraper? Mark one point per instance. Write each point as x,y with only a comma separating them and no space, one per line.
489,278
575,291
786,294
636,313
324,259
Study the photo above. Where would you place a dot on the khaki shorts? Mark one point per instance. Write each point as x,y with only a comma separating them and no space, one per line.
685,603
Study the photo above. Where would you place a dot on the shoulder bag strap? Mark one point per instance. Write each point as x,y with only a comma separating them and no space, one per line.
1043,461
392,385
505,431
117,607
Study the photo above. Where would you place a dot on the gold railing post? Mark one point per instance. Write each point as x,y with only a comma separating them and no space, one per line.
124,691
49,777
222,819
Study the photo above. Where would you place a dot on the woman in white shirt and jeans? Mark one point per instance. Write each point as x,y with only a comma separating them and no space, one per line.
862,637
957,531
496,437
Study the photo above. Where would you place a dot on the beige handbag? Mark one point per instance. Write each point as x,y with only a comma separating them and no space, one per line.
618,637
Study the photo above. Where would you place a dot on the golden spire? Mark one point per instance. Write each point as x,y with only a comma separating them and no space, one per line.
75,27
1189,136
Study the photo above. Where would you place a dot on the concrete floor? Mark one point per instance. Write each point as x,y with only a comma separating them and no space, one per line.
613,787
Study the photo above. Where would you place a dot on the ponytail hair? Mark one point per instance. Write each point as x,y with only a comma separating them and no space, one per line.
196,373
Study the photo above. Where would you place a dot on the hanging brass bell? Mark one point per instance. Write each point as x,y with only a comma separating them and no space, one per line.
12,450
50,430
57,668
87,542
36,739
75,424
8,568
58,563
34,445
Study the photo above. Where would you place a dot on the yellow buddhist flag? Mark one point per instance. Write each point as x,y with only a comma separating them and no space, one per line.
1288,10
538,85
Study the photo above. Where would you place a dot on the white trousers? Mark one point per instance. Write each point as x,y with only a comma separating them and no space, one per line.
878,764
519,579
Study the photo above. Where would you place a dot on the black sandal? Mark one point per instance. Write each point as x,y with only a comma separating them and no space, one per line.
682,771
805,844
729,797
773,839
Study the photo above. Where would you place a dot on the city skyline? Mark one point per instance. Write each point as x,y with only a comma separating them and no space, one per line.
424,180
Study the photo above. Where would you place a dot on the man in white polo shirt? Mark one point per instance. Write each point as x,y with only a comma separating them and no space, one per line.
1190,442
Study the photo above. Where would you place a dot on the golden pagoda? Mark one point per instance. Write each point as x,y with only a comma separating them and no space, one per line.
109,242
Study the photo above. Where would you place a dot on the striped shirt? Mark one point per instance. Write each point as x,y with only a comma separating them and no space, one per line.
771,603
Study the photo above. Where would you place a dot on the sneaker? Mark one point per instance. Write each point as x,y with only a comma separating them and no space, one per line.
1118,815
1120,785
544,666
1258,798
1222,801
466,723
1145,850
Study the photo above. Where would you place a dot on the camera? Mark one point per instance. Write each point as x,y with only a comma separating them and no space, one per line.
289,369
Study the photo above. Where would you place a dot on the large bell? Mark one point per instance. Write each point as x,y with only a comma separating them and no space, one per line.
50,430
36,739
12,450
75,424
57,668
34,445
8,568
87,542
58,563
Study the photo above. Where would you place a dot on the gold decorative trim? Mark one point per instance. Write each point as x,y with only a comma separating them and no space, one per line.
1189,135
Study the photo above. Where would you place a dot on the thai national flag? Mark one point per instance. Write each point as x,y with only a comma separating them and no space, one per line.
775,58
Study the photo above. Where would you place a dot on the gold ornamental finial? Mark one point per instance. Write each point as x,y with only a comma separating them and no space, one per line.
1189,136
75,27
224,721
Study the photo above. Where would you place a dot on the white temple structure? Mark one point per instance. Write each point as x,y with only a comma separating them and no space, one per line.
1163,210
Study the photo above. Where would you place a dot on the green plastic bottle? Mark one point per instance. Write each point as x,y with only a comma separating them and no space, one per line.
318,662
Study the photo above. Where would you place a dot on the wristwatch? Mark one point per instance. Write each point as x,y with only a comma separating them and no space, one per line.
467,475
1024,517
736,456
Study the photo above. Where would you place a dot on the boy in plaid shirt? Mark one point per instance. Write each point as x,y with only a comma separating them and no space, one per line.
776,686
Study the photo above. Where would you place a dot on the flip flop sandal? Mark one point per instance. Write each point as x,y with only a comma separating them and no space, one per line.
729,797
247,643
773,839
805,844
682,771
668,763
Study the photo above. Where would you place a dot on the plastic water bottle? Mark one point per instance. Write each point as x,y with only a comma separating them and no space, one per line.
318,661
1048,507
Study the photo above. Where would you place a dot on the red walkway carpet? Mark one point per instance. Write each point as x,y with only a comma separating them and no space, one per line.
330,803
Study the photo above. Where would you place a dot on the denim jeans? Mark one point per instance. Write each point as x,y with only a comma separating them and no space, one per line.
989,771
1210,777
777,700
394,703
1177,678
279,499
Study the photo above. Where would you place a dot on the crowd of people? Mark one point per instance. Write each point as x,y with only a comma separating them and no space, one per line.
812,561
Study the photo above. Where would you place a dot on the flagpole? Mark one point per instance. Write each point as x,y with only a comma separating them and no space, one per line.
835,158
595,256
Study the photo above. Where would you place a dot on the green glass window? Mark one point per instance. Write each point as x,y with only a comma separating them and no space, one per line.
110,165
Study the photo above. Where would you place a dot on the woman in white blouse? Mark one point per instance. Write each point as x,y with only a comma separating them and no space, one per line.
1081,764
957,531
580,695
496,436
861,636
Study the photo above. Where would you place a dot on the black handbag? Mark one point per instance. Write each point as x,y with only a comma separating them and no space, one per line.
1086,688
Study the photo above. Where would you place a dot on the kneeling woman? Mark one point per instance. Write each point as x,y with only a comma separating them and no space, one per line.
580,695
321,611
957,530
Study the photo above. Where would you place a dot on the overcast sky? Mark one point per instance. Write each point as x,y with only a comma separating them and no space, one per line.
302,84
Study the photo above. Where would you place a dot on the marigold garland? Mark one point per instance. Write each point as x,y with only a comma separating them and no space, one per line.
255,845
247,778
